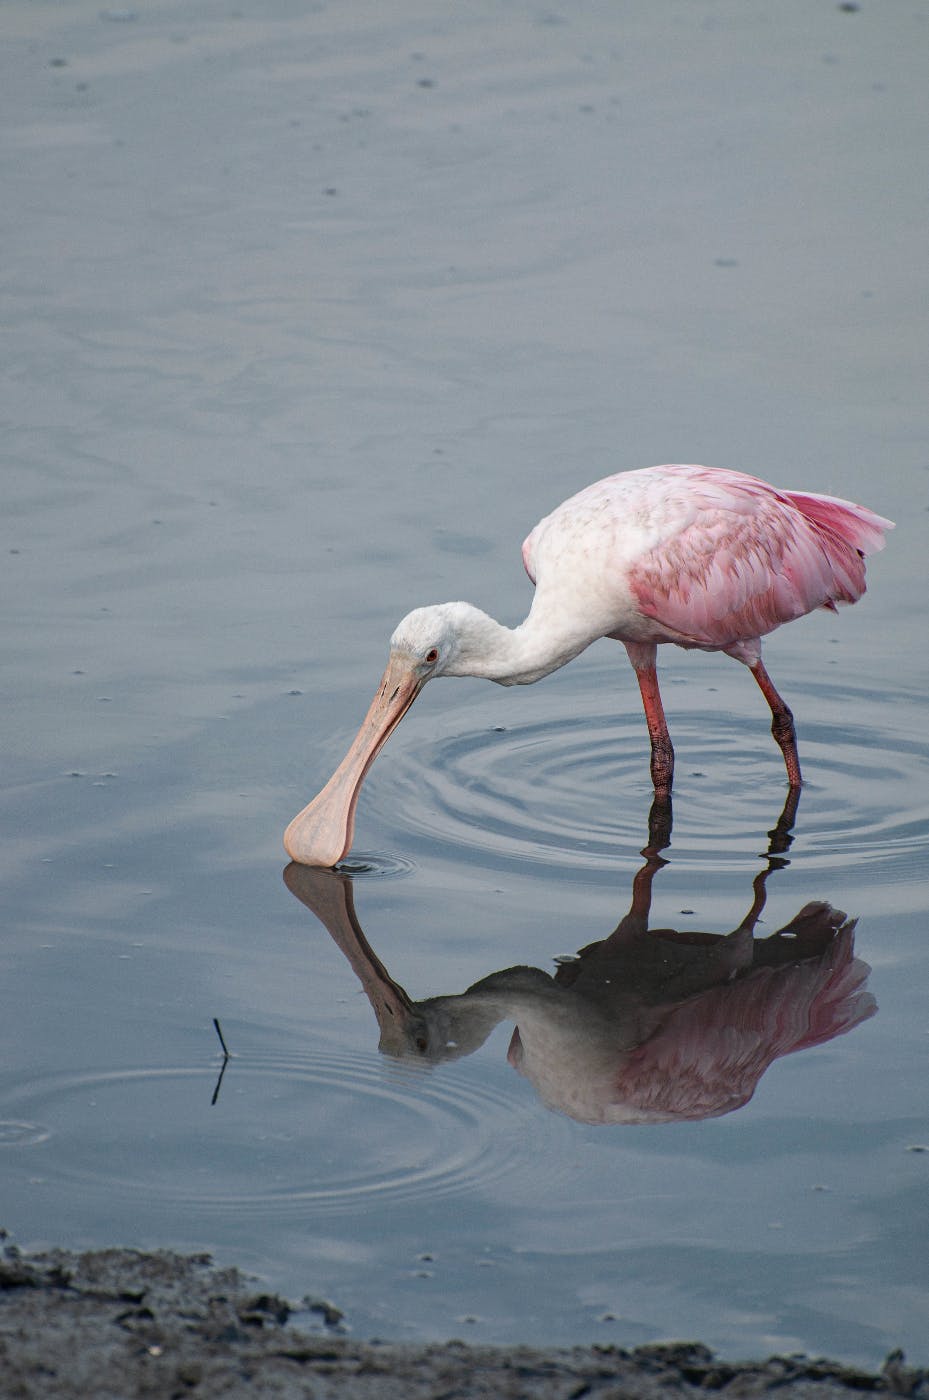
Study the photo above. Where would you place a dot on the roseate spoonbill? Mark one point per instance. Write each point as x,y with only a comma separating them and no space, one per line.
697,556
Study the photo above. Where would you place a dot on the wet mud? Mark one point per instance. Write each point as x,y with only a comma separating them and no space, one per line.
120,1323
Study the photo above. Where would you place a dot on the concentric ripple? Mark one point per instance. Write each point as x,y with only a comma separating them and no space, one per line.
288,1136
865,803
366,865
531,792
14,1134
567,783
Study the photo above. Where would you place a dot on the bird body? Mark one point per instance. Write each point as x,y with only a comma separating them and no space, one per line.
694,556
701,557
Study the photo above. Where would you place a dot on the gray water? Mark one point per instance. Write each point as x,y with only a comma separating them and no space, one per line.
310,311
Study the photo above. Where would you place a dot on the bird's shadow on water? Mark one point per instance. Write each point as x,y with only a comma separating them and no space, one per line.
644,1025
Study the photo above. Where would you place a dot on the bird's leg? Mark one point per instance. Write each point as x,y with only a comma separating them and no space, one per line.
642,655
782,723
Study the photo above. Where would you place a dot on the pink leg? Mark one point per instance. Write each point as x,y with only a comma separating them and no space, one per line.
642,657
782,724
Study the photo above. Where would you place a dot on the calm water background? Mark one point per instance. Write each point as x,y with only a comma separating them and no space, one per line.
309,312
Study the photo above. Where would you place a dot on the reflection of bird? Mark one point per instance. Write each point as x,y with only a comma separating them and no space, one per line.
684,554
690,1036
644,1026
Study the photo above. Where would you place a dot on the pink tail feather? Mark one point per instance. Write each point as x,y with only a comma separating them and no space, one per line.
855,525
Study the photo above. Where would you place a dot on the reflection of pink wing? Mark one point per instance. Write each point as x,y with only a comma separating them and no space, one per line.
709,1054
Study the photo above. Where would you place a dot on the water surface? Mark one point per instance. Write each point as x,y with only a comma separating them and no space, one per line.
309,314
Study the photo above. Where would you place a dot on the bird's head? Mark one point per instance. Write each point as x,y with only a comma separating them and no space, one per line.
442,639
429,642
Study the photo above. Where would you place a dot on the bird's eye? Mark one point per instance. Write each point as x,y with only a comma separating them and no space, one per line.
432,655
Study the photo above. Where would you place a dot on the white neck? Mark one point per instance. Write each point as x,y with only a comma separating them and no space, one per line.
547,640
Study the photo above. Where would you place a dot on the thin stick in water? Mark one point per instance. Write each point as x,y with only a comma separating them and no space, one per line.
221,1040
225,1062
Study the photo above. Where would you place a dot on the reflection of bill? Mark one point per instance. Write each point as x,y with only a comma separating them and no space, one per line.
644,1026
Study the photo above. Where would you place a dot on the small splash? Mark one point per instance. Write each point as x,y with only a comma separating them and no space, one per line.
364,865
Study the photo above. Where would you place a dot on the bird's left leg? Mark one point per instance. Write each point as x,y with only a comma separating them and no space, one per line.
782,723
642,655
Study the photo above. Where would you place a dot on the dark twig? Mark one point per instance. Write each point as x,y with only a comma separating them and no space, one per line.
225,1062
221,1040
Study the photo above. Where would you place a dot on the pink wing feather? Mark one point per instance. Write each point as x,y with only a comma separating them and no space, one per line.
752,558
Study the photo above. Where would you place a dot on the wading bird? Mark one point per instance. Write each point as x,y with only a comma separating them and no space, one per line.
701,557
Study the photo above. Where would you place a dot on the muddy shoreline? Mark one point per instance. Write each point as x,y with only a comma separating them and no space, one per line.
120,1323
